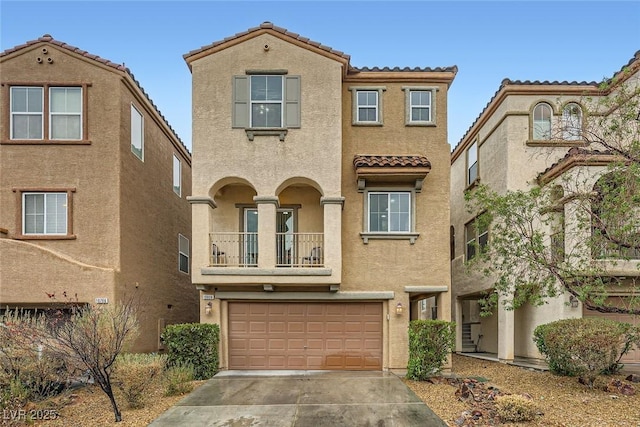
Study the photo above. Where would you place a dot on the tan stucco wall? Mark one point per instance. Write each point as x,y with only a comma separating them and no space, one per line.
125,214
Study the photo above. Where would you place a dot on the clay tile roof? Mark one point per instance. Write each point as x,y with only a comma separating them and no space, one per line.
268,25
576,152
391,161
47,38
453,69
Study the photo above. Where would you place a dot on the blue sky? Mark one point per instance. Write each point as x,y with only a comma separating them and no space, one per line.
488,41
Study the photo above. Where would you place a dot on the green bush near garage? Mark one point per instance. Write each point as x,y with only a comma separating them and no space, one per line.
194,344
430,342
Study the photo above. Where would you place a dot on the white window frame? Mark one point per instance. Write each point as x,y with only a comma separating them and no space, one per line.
410,234
177,176
475,239
13,114
45,214
183,251
137,133
280,102
546,135
65,113
378,106
472,160
409,105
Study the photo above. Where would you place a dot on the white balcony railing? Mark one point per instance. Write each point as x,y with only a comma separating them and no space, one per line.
240,249
299,250
235,249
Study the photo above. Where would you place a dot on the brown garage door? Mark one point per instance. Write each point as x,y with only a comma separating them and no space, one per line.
634,355
287,335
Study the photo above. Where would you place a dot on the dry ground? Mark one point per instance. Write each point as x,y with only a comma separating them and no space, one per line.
562,400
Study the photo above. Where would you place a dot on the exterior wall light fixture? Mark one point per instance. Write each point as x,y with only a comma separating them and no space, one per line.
399,309
207,308
573,301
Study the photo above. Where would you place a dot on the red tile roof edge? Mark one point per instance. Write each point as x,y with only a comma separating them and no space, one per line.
361,160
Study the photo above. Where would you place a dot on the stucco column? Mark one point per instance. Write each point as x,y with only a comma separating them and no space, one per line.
506,334
201,209
267,207
332,250
458,319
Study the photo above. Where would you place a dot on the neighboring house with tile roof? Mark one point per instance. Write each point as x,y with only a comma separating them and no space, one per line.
320,202
93,189
512,146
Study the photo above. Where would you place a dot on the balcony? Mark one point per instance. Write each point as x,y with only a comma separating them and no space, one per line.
240,249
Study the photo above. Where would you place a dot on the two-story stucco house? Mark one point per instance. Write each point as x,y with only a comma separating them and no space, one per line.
93,188
511,146
320,202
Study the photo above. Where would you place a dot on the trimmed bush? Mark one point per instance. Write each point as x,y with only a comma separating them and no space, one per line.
584,347
134,373
195,344
513,408
430,342
178,380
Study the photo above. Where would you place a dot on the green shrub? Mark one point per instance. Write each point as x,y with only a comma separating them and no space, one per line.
134,373
584,347
178,379
430,342
195,344
513,408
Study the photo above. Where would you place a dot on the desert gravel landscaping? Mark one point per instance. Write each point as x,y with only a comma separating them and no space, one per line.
562,401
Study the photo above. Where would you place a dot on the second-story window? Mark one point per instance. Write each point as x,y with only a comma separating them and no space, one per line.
177,175
367,105
266,101
572,122
65,113
542,122
26,113
389,212
472,163
137,133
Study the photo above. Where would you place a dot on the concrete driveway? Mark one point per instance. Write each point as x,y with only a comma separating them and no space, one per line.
301,399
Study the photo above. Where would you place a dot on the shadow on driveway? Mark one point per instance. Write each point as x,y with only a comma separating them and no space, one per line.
301,399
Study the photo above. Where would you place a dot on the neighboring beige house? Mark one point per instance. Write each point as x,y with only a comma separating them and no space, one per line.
93,188
510,147
320,202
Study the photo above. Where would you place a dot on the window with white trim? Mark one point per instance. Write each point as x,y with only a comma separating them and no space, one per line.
65,113
177,175
183,254
389,211
44,213
266,101
542,122
472,163
367,105
137,133
419,105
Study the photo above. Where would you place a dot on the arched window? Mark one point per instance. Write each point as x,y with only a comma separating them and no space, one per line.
572,122
542,122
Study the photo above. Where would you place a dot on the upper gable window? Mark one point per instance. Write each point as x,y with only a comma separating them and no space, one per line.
542,122
367,105
62,106
266,101
419,105
137,133
27,105
572,122
65,113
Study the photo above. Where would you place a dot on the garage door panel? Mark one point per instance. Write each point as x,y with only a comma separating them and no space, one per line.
305,335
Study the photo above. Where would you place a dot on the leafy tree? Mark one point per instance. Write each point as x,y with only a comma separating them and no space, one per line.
526,253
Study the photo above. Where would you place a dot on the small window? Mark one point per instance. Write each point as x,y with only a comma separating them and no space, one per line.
419,105
183,254
137,133
472,163
542,122
65,113
476,236
44,213
27,113
177,175
572,122
367,105
266,101
389,212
